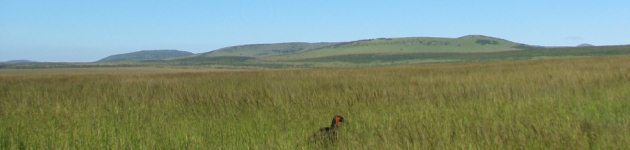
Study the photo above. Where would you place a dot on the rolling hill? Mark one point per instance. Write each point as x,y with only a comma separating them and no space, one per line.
369,52
410,45
265,50
386,51
146,55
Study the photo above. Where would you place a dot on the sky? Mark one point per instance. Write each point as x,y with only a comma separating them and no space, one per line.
88,30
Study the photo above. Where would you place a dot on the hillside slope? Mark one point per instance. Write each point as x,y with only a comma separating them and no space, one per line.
146,55
372,52
527,53
466,44
264,50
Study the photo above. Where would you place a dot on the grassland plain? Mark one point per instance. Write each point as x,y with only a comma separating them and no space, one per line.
577,103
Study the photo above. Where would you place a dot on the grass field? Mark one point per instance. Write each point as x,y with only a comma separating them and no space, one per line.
578,103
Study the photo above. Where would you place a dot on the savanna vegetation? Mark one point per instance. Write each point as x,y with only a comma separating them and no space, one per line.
577,103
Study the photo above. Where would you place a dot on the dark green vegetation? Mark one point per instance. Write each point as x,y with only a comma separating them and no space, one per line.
576,103
146,55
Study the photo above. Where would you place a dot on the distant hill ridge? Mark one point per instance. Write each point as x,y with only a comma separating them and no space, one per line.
146,55
585,45
407,45
22,61
264,50
366,52
302,50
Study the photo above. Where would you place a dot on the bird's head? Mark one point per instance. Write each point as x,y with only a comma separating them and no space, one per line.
336,122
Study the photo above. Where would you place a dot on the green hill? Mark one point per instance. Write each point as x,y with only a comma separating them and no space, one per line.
265,50
146,55
371,52
280,52
387,51
466,44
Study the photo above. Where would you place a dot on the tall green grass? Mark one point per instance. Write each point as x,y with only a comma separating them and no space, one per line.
545,104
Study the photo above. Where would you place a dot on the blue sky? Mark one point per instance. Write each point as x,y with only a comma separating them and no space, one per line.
87,30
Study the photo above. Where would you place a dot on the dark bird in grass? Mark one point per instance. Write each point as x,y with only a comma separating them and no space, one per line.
329,133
